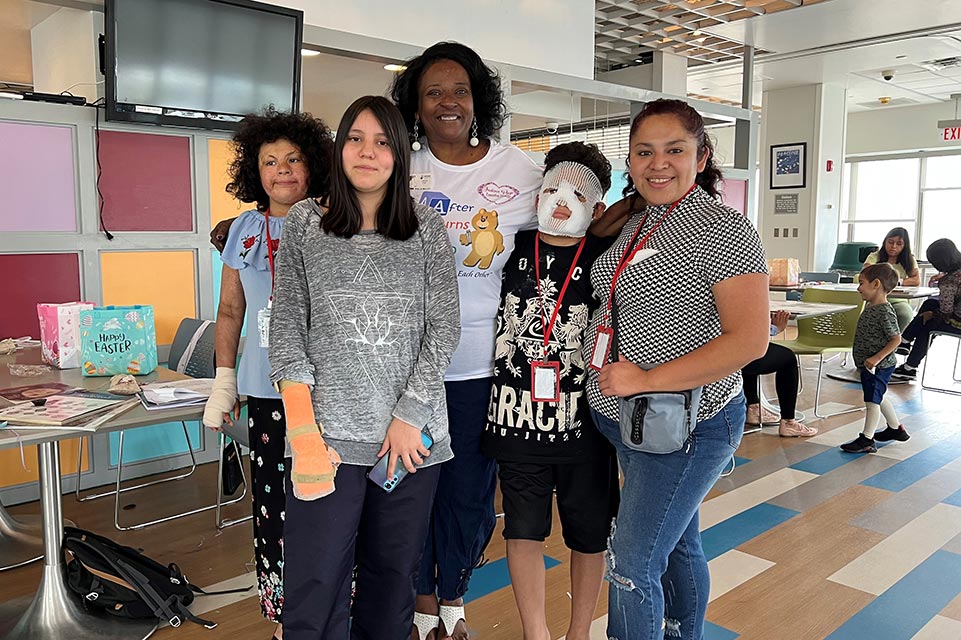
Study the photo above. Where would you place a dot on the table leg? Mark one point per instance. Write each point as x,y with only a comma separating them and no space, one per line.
55,613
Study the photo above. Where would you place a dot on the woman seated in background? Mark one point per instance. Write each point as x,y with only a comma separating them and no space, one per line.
944,256
896,251
783,364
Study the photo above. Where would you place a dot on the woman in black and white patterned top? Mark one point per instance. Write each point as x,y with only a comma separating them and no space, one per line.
690,297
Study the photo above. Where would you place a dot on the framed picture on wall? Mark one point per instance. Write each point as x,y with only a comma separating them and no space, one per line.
787,165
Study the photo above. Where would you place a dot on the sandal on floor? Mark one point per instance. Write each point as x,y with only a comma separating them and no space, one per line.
425,623
449,615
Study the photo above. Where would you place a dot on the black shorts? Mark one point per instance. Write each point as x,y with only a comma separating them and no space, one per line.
588,494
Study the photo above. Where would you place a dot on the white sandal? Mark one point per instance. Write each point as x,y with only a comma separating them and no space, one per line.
425,623
449,615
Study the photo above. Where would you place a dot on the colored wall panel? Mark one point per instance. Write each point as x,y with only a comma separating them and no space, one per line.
145,182
157,441
222,204
164,279
735,194
33,278
13,473
38,178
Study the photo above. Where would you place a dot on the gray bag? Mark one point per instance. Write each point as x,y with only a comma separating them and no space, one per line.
658,422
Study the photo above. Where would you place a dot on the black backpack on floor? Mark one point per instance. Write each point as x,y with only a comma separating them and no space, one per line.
125,583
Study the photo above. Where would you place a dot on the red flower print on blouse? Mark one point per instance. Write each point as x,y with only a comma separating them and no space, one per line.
249,241
274,243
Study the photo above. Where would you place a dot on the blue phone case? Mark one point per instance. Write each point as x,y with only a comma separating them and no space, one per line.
378,473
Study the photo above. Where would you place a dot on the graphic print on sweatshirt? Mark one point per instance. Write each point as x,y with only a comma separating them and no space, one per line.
368,312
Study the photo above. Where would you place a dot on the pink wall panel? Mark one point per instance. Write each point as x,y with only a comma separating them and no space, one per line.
735,194
33,278
38,178
145,182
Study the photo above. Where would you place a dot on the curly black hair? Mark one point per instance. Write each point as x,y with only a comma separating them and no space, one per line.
489,106
586,154
311,136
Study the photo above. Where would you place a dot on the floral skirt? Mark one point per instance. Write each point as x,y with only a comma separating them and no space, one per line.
267,428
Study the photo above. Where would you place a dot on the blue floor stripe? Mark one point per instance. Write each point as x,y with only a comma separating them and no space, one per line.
902,610
493,576
907,472
825,461
737,530
717,632
741,461
954,499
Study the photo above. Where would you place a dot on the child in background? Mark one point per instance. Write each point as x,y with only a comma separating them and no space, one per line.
875,340
539,427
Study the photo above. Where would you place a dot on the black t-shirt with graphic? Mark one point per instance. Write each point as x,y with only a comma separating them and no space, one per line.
518,429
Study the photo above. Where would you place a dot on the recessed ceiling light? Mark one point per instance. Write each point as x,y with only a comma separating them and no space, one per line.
884,99
396,68
309,53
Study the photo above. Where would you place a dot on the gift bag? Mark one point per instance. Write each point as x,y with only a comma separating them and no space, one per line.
60,333
118,340
784,271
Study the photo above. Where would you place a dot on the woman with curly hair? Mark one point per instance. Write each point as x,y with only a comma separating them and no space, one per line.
280,159
485,191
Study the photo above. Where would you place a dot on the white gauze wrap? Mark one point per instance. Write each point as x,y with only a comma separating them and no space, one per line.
566,180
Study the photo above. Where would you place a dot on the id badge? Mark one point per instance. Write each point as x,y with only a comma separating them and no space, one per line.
545,381
602,348
263,326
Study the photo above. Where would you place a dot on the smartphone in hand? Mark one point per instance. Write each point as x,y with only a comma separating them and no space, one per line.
378,473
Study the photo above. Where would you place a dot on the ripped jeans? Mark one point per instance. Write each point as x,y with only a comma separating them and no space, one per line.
659,581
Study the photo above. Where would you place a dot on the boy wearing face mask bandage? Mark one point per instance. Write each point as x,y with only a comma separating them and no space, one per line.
539,427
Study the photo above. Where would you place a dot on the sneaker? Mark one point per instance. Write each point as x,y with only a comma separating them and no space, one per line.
861,444
905,373
795,429
758,415
904,348
891,433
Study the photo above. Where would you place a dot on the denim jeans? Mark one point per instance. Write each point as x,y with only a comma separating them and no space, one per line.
659,582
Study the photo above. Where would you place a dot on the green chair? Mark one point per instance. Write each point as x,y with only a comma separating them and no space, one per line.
849,257
828,334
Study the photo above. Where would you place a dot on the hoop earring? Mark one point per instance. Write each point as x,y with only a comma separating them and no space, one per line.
474,140
415,146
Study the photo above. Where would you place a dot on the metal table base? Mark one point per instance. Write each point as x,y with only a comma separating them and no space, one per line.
54,613
21,541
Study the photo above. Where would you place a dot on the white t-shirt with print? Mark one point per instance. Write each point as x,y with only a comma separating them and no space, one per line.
483,205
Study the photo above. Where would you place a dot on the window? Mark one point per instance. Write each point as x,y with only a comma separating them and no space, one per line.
923,195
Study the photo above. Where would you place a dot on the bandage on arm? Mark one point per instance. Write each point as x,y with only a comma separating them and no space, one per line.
223,397
314,464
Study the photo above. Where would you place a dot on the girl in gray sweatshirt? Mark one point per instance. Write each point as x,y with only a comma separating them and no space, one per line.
363,322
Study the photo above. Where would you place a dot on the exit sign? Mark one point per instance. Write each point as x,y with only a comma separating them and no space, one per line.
951,133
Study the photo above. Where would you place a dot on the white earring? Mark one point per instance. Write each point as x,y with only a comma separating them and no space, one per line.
474,140
415,146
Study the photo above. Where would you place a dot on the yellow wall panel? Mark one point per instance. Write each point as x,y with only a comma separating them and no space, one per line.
12,472
222,204
164,279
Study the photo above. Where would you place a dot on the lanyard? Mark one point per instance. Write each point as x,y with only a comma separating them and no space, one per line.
629,253
549,326
270,253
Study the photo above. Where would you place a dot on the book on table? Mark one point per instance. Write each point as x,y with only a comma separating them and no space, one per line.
62,409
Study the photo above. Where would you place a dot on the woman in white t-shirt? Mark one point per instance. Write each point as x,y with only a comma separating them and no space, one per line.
484,191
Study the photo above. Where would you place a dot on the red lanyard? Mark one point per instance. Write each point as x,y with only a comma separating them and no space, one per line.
548,327
626,259
270,252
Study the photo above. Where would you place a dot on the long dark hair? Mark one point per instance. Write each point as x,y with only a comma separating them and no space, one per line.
905,259
395,217
693,123
944,256
485,85
311,136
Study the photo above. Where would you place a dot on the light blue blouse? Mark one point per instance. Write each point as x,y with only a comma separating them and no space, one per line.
246,251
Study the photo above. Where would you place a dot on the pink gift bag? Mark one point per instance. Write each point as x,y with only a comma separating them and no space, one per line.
60,333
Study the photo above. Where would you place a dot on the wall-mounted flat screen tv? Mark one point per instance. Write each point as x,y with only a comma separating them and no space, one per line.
200,63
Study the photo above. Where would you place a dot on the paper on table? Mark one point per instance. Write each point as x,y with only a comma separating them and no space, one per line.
194,389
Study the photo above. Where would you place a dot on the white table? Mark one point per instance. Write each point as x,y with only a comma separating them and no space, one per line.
899,293
799,309
55,613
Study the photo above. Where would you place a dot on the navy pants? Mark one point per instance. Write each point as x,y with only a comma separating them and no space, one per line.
383,532
463,520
